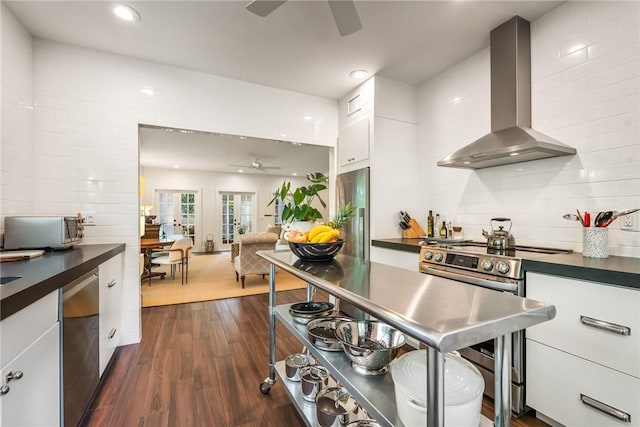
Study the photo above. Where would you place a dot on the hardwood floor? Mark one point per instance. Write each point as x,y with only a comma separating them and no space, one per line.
201,364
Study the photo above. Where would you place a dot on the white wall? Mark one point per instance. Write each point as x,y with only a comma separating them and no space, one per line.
16,150
209,184
587,98
85,154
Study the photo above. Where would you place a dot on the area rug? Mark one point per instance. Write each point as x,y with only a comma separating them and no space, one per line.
211,277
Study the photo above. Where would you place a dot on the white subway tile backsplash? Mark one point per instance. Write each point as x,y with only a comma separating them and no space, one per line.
590,103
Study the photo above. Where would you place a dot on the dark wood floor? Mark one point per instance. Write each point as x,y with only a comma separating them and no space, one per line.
201,364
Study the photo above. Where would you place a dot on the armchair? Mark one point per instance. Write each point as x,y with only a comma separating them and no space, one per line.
247,262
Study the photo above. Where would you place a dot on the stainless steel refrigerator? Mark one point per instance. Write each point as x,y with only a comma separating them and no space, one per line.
353,187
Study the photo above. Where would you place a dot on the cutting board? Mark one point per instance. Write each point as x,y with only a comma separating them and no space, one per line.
20,255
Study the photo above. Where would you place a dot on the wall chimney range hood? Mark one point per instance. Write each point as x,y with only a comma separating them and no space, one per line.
511,139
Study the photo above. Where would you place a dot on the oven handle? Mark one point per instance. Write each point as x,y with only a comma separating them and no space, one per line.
485,283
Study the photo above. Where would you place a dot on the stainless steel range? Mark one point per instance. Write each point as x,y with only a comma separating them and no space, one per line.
473,263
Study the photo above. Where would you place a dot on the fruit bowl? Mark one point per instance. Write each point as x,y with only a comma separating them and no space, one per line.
316,251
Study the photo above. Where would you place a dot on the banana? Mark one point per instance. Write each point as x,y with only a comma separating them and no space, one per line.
317,230
325,236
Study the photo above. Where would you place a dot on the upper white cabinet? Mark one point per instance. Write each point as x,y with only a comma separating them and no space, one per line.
377,128
353,143
111,293
30,368
583,367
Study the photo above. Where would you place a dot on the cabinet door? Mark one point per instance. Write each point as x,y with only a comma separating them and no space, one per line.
34,399
110,308
353,143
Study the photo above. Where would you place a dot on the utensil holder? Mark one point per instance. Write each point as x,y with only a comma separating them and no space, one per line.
595,242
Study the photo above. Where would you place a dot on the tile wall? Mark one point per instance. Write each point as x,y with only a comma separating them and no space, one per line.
16,150
585,93
85,154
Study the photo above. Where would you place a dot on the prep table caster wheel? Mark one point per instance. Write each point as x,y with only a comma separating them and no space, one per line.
265,386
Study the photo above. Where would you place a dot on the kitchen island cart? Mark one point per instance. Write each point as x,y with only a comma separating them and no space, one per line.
443,314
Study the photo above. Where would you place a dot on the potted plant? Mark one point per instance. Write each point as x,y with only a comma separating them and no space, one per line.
297,202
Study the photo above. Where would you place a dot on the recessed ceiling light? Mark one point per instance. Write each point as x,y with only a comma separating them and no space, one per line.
147,91
240,170
308,117
514,154
295,174
126,13
176,166
358,74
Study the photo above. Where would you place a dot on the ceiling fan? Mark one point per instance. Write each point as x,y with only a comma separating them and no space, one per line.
343,11
257,165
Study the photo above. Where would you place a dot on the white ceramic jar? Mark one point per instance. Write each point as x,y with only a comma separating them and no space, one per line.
463,389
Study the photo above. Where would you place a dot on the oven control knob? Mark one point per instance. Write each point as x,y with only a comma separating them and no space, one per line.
503,267
487,264
438,257
428,255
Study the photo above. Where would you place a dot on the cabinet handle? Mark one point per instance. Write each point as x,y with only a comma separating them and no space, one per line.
14,375
112,283
607,326
607,409
112,333
4,389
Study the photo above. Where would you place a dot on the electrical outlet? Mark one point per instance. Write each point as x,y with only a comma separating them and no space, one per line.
627,221
630,222
88,218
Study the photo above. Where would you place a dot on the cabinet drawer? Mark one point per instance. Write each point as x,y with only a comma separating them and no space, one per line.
110,282
24,327
556,380
580,303
110,335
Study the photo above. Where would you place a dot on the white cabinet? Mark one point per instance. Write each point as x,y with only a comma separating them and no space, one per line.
353,143
583,367
30,372
111,293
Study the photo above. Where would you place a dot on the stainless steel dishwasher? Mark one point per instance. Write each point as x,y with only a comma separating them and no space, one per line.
80,346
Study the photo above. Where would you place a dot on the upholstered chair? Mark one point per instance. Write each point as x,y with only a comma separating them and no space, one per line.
247,262
177,256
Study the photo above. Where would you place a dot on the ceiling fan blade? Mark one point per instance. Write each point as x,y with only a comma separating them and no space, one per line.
346,16
269,167
264,7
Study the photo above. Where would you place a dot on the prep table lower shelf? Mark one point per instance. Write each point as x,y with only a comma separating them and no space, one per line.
376,394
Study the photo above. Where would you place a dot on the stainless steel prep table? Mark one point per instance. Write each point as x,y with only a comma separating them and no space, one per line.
443,314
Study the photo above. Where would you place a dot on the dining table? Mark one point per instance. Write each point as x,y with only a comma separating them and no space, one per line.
146,247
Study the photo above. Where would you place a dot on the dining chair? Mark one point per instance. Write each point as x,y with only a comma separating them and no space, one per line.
177,255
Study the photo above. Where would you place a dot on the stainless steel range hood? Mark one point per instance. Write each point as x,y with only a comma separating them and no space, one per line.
511,139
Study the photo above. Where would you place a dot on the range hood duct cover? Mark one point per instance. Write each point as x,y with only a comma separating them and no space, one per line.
511,139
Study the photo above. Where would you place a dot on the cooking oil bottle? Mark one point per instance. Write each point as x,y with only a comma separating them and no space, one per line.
430,224
443,231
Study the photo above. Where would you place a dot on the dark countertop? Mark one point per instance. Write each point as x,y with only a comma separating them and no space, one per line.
41,275
615,270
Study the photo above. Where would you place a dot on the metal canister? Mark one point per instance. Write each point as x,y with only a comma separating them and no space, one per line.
208,244
313,379
335,407
294,363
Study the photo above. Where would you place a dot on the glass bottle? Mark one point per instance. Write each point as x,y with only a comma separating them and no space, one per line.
443,231
430,224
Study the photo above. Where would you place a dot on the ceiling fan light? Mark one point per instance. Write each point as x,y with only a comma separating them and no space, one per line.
126,13
255,164
358,74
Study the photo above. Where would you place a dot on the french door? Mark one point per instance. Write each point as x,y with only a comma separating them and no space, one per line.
177,213
237,216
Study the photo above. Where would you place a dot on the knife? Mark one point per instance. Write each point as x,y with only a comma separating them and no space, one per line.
406,217
404,225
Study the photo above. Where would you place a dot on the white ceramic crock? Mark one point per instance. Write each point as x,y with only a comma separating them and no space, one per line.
463,388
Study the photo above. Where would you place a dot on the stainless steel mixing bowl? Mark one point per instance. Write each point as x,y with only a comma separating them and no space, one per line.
370,345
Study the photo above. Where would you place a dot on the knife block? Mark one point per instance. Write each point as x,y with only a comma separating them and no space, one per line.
414,232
